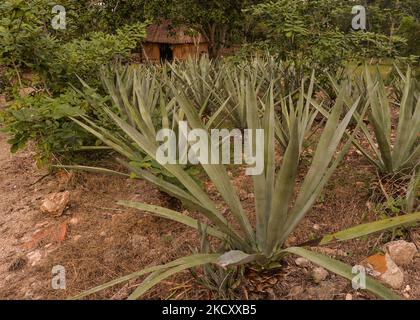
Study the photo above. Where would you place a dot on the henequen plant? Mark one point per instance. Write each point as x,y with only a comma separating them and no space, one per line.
201,80
301,110
229,88
277,212
391,150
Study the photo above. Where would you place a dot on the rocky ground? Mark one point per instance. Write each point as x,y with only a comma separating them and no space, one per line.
95,240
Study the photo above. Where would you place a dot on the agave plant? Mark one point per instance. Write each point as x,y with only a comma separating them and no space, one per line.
391,154
201,80
305,116
286,74
142,102
278,212
234,89
222,281
234,92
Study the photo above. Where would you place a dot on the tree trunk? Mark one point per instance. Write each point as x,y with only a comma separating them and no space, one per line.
216,36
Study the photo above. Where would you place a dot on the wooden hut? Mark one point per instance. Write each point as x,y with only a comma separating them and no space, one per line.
165,43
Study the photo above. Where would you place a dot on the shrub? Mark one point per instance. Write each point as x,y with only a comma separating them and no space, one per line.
410,29
392,148
24,44
84,57
28,43
45,121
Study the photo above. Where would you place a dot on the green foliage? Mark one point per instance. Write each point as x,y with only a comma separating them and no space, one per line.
84,57
391,207
269,93
23,40
317,34
201,80
28,43
218,88
135,120
412,202
220,22
53,59
410,30
45,121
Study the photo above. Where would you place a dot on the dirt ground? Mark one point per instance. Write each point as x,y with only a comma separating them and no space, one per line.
97,241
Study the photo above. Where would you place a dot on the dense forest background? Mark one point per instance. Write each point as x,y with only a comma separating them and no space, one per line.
318,31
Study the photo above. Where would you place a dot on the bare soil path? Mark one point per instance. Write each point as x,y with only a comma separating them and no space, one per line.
19,194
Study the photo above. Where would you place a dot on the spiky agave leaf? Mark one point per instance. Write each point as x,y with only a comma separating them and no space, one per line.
201,80
217,173
303,111
180,264
321,169
370,228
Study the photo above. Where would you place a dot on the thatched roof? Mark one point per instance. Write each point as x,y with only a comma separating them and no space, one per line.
165,33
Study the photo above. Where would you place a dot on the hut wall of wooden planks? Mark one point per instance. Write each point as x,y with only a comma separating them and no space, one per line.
167,43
